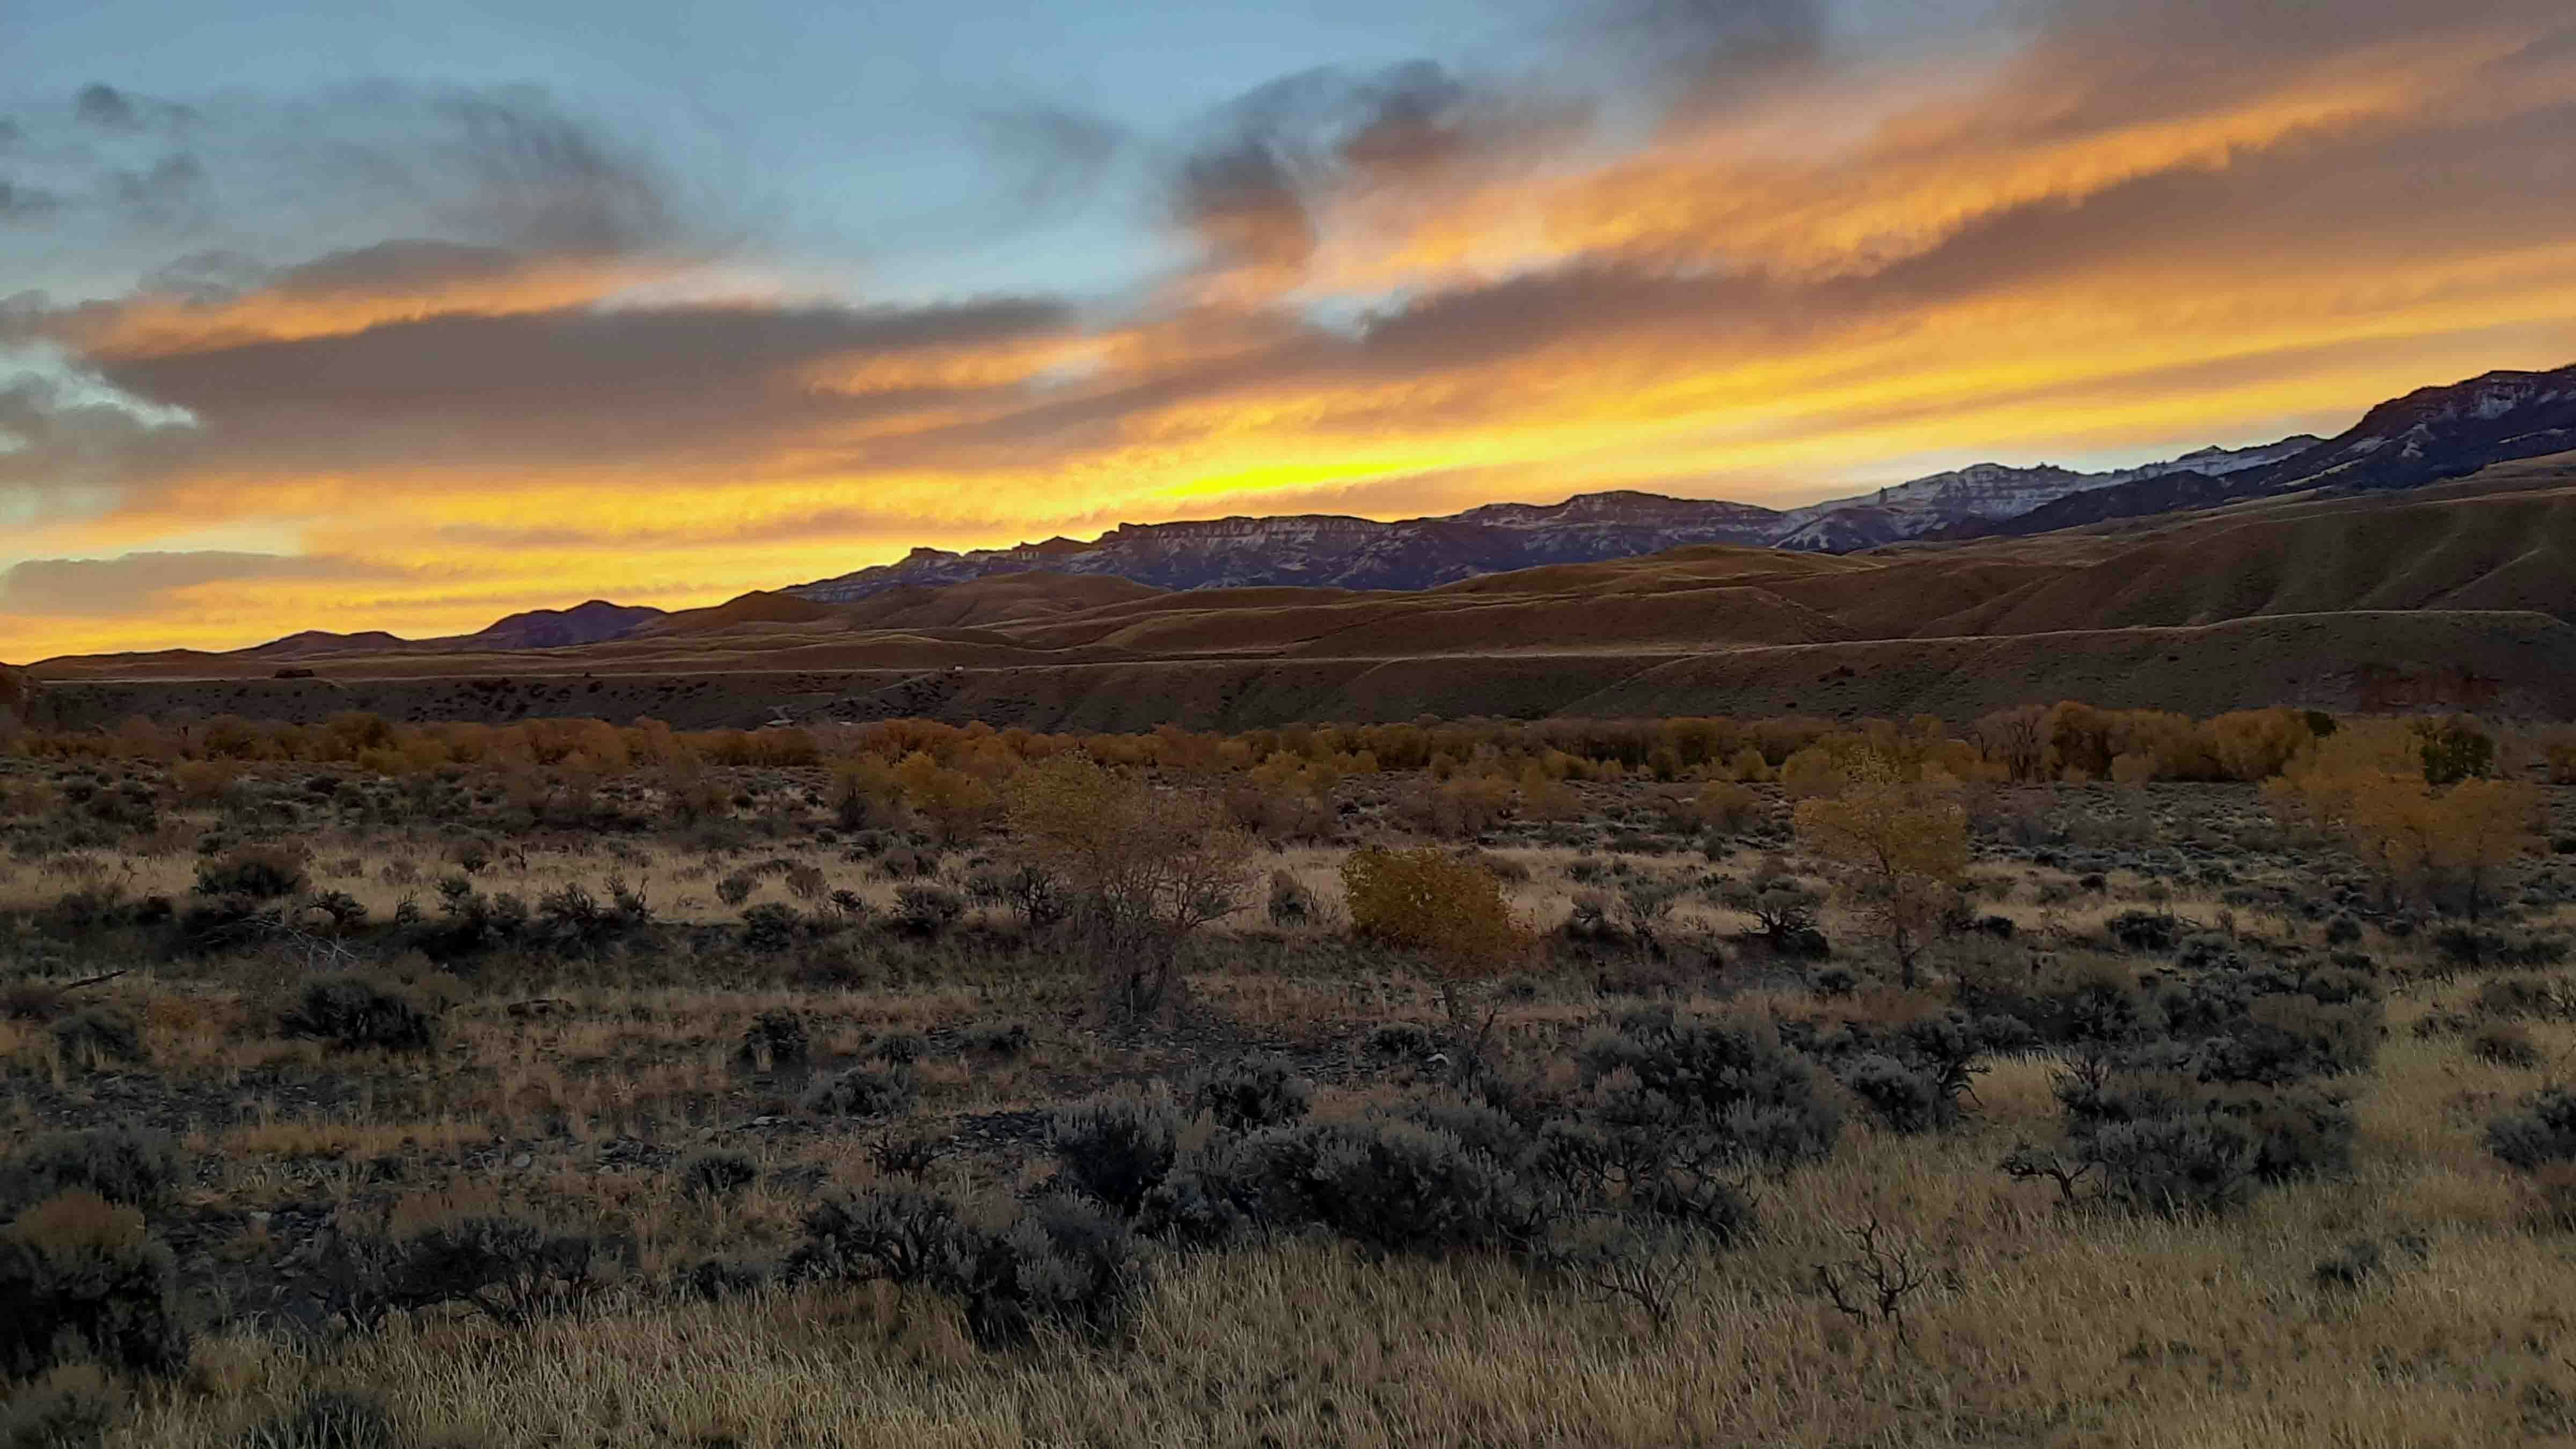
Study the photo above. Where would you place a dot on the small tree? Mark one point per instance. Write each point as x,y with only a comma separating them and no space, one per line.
1903,845
2370,786
1146,866
1450,913
2474,830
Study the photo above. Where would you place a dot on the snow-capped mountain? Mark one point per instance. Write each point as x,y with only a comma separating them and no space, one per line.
1324,550
1329,551
2441,432
2427,436
1990,491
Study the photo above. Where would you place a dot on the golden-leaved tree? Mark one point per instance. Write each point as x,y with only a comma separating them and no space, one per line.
2367,783
1145,866
1448,913
1901,846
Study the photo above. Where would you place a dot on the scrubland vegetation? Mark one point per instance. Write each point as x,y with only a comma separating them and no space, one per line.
2077,1076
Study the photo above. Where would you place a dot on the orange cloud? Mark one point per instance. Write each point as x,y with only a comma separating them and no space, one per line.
2029,257
319,304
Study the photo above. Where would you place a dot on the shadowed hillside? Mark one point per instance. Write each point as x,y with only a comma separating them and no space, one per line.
2463,594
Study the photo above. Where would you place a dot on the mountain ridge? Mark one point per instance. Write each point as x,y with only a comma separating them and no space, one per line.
2429,435
1348,552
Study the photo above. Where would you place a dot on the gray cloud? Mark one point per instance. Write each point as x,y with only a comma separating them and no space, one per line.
130,184
1051,155
1261,189
137,584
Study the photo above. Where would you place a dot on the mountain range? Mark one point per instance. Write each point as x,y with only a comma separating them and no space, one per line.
2427,436
1332,551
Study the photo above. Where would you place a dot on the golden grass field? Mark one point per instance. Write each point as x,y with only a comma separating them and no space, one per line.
576,1091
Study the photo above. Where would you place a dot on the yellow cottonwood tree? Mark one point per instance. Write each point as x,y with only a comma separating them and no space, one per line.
1903,845
1449,912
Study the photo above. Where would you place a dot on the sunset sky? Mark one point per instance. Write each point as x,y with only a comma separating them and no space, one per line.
319,315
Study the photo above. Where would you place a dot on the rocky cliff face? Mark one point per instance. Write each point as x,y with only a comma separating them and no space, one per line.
2440,432
2427,436
1358,553
1326,551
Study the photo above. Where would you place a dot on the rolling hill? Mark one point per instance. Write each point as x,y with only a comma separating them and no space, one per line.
2461,594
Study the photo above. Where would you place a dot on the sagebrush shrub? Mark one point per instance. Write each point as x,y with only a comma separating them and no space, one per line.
2541,1129
1253,1092
507,1268
1717,1089
128,1167
2505,1044
69,1408
81,1278
328,1419
902,1048
927,910
770,926
97,1034
998,1038
1117,1147
1396,1186
1908,1099
862,1092
719,1173
2154,932
1400,1039
356,1012
777,1036
256,872
1055,1261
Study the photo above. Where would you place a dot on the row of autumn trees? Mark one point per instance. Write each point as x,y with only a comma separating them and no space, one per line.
2067,742
2414,801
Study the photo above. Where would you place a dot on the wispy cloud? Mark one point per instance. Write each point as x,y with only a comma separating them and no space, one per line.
1723,248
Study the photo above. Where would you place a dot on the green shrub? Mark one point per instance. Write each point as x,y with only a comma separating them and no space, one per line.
353,1013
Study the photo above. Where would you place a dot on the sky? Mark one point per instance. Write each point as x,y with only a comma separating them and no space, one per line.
320,315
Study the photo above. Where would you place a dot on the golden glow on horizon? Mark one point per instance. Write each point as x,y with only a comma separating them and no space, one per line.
1822,365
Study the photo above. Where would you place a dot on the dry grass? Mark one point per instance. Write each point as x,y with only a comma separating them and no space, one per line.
349,1139
2046,1327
